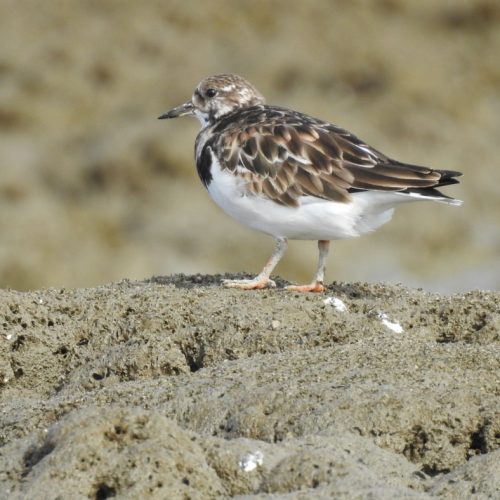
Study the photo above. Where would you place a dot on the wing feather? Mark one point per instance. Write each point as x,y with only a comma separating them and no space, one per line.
288,155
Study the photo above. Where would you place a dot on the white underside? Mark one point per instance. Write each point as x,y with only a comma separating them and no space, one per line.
314,219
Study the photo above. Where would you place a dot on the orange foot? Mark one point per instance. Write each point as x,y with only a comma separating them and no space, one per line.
255,284
316,286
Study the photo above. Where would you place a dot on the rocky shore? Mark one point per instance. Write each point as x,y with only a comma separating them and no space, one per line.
177,388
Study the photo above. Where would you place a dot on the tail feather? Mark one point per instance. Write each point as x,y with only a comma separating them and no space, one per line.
447,178
431,194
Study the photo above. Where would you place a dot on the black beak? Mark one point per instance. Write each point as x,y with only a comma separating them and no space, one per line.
182,110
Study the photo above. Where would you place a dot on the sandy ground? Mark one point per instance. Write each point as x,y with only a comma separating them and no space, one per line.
177,388
94,189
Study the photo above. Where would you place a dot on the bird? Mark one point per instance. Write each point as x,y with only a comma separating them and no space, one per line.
295,177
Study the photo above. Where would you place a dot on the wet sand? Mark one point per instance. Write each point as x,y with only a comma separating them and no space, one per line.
177,388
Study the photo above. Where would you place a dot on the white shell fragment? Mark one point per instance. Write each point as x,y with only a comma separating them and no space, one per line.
338,304
250,461
392,325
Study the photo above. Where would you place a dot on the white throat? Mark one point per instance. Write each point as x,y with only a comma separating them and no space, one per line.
203,117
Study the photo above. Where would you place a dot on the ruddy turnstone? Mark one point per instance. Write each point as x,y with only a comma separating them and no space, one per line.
293,176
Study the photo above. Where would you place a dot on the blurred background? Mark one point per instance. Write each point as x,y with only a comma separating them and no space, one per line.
93,188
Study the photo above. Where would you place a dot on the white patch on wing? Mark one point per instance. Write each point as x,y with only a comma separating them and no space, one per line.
367,150
300,159
241,170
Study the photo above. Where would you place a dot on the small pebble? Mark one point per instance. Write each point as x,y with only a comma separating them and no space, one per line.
392,325
250,462
338,304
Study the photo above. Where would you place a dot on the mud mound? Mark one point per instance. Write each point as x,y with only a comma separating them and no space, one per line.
176,387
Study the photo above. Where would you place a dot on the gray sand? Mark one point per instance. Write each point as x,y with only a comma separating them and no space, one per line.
177,388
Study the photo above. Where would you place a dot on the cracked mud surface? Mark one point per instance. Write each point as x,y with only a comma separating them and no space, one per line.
166,387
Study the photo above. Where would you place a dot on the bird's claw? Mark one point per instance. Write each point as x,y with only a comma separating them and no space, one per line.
254,284
315,286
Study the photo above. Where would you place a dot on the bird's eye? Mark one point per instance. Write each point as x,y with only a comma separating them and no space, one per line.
211,93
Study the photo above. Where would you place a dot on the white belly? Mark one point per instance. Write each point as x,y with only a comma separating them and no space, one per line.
314,219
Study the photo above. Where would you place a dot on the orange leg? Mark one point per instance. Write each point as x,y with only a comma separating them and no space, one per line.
262,279
319,277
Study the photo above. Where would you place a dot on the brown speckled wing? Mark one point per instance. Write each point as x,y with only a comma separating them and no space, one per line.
284,155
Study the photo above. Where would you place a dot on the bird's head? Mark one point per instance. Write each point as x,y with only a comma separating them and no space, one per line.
215,97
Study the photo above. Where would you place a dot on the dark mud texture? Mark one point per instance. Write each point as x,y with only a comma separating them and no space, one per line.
177,388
